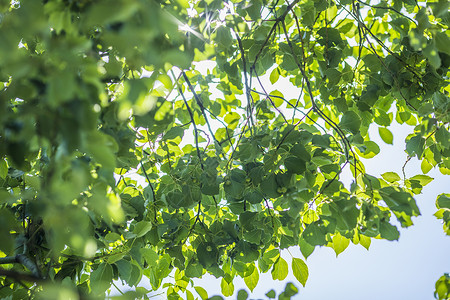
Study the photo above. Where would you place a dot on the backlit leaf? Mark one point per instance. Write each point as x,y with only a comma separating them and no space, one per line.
227,287
423,179
340,243
280,269
201,292
274,75
391,176
300,270
252,280
386,135
364,241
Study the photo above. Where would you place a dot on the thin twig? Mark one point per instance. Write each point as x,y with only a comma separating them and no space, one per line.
404,166
279,19
387,8
150,185
191,115
247,87
199,103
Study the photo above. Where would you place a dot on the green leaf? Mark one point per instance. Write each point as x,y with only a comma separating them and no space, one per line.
271,294
289,291
330,35
423,179
386,135
49,291
321,160
254,9
173,133
295,164
389,232
223,36
373,62
314,235
232,119
333,76
340,243
277,98
442,136
288,63
149,255
399,201
253,236
370,149
306,248
431,52
115,257
365,241
201,292
269,186
101,278
247,219
141,228
227,287
300,151
443,201
242,295
189,295
425,166
7,223
3,169
194,269
350,121
280,269
252,280
442,42
415,146
300,270
102,148
127,271
442,286
308,13
207,254
274,75
248,252
390,176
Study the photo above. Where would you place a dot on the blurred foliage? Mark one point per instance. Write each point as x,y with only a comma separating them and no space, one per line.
141,138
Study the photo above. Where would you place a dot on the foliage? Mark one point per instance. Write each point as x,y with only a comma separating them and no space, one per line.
443,287
141,138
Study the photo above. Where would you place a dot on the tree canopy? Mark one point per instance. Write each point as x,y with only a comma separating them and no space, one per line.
169,139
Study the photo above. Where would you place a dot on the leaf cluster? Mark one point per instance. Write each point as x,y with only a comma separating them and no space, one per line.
142,139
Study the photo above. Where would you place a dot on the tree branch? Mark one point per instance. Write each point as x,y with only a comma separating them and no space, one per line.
18,276
24,261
